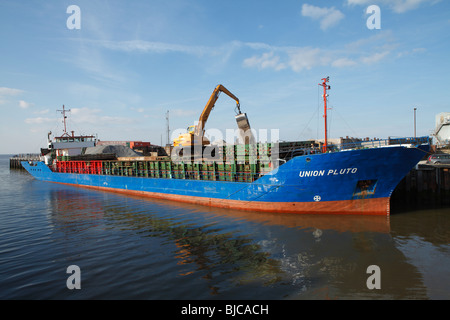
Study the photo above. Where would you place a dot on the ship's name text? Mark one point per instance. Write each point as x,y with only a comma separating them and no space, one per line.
329,172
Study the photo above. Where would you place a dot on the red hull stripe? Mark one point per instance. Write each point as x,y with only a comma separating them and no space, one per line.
377,206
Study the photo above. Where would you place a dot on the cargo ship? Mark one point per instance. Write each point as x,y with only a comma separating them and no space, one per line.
281,177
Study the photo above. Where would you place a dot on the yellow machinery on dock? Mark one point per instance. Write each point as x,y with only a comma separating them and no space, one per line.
195,133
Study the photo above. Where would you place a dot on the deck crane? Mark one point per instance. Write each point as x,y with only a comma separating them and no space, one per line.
195,133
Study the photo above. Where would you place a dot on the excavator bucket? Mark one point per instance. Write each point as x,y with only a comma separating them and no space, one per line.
243,124
242,121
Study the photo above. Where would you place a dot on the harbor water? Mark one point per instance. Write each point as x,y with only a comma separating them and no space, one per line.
134,248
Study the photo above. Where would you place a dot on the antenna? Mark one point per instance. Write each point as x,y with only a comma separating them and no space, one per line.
325,95
168,129
63,112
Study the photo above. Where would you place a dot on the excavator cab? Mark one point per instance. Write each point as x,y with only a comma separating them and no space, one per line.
189,138
191,129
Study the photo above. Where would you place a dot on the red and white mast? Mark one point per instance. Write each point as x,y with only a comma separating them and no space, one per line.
325,95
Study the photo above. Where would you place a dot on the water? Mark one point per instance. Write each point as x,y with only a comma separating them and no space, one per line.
133,248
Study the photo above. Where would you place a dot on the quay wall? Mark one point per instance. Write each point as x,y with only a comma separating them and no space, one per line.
424,186
15,162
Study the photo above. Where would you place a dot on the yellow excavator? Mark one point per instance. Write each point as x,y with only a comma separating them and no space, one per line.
195,133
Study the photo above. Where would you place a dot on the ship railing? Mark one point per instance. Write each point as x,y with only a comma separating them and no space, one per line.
81,167
205,171
378,143
27,157
303,152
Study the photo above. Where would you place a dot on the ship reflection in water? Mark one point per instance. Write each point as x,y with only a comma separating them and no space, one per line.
138,248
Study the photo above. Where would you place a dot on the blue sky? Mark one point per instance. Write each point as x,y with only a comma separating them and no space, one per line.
132,61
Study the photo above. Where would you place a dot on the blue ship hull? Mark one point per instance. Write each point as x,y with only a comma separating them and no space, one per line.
346,182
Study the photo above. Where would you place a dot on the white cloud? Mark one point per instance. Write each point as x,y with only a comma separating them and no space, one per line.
94,116
328,17
419,50
91,60
398,6
9,91
149,46
94,64
411,52
46,111
39,120
268,57
183,113
376,57
376,40
306,58
5,93
366,51
267,60
116,120
24,105
85,115
343,62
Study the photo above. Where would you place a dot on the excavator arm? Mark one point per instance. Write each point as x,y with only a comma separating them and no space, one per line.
210,105
195,136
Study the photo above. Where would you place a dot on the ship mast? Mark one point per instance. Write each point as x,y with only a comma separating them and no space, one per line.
325,95
63,112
